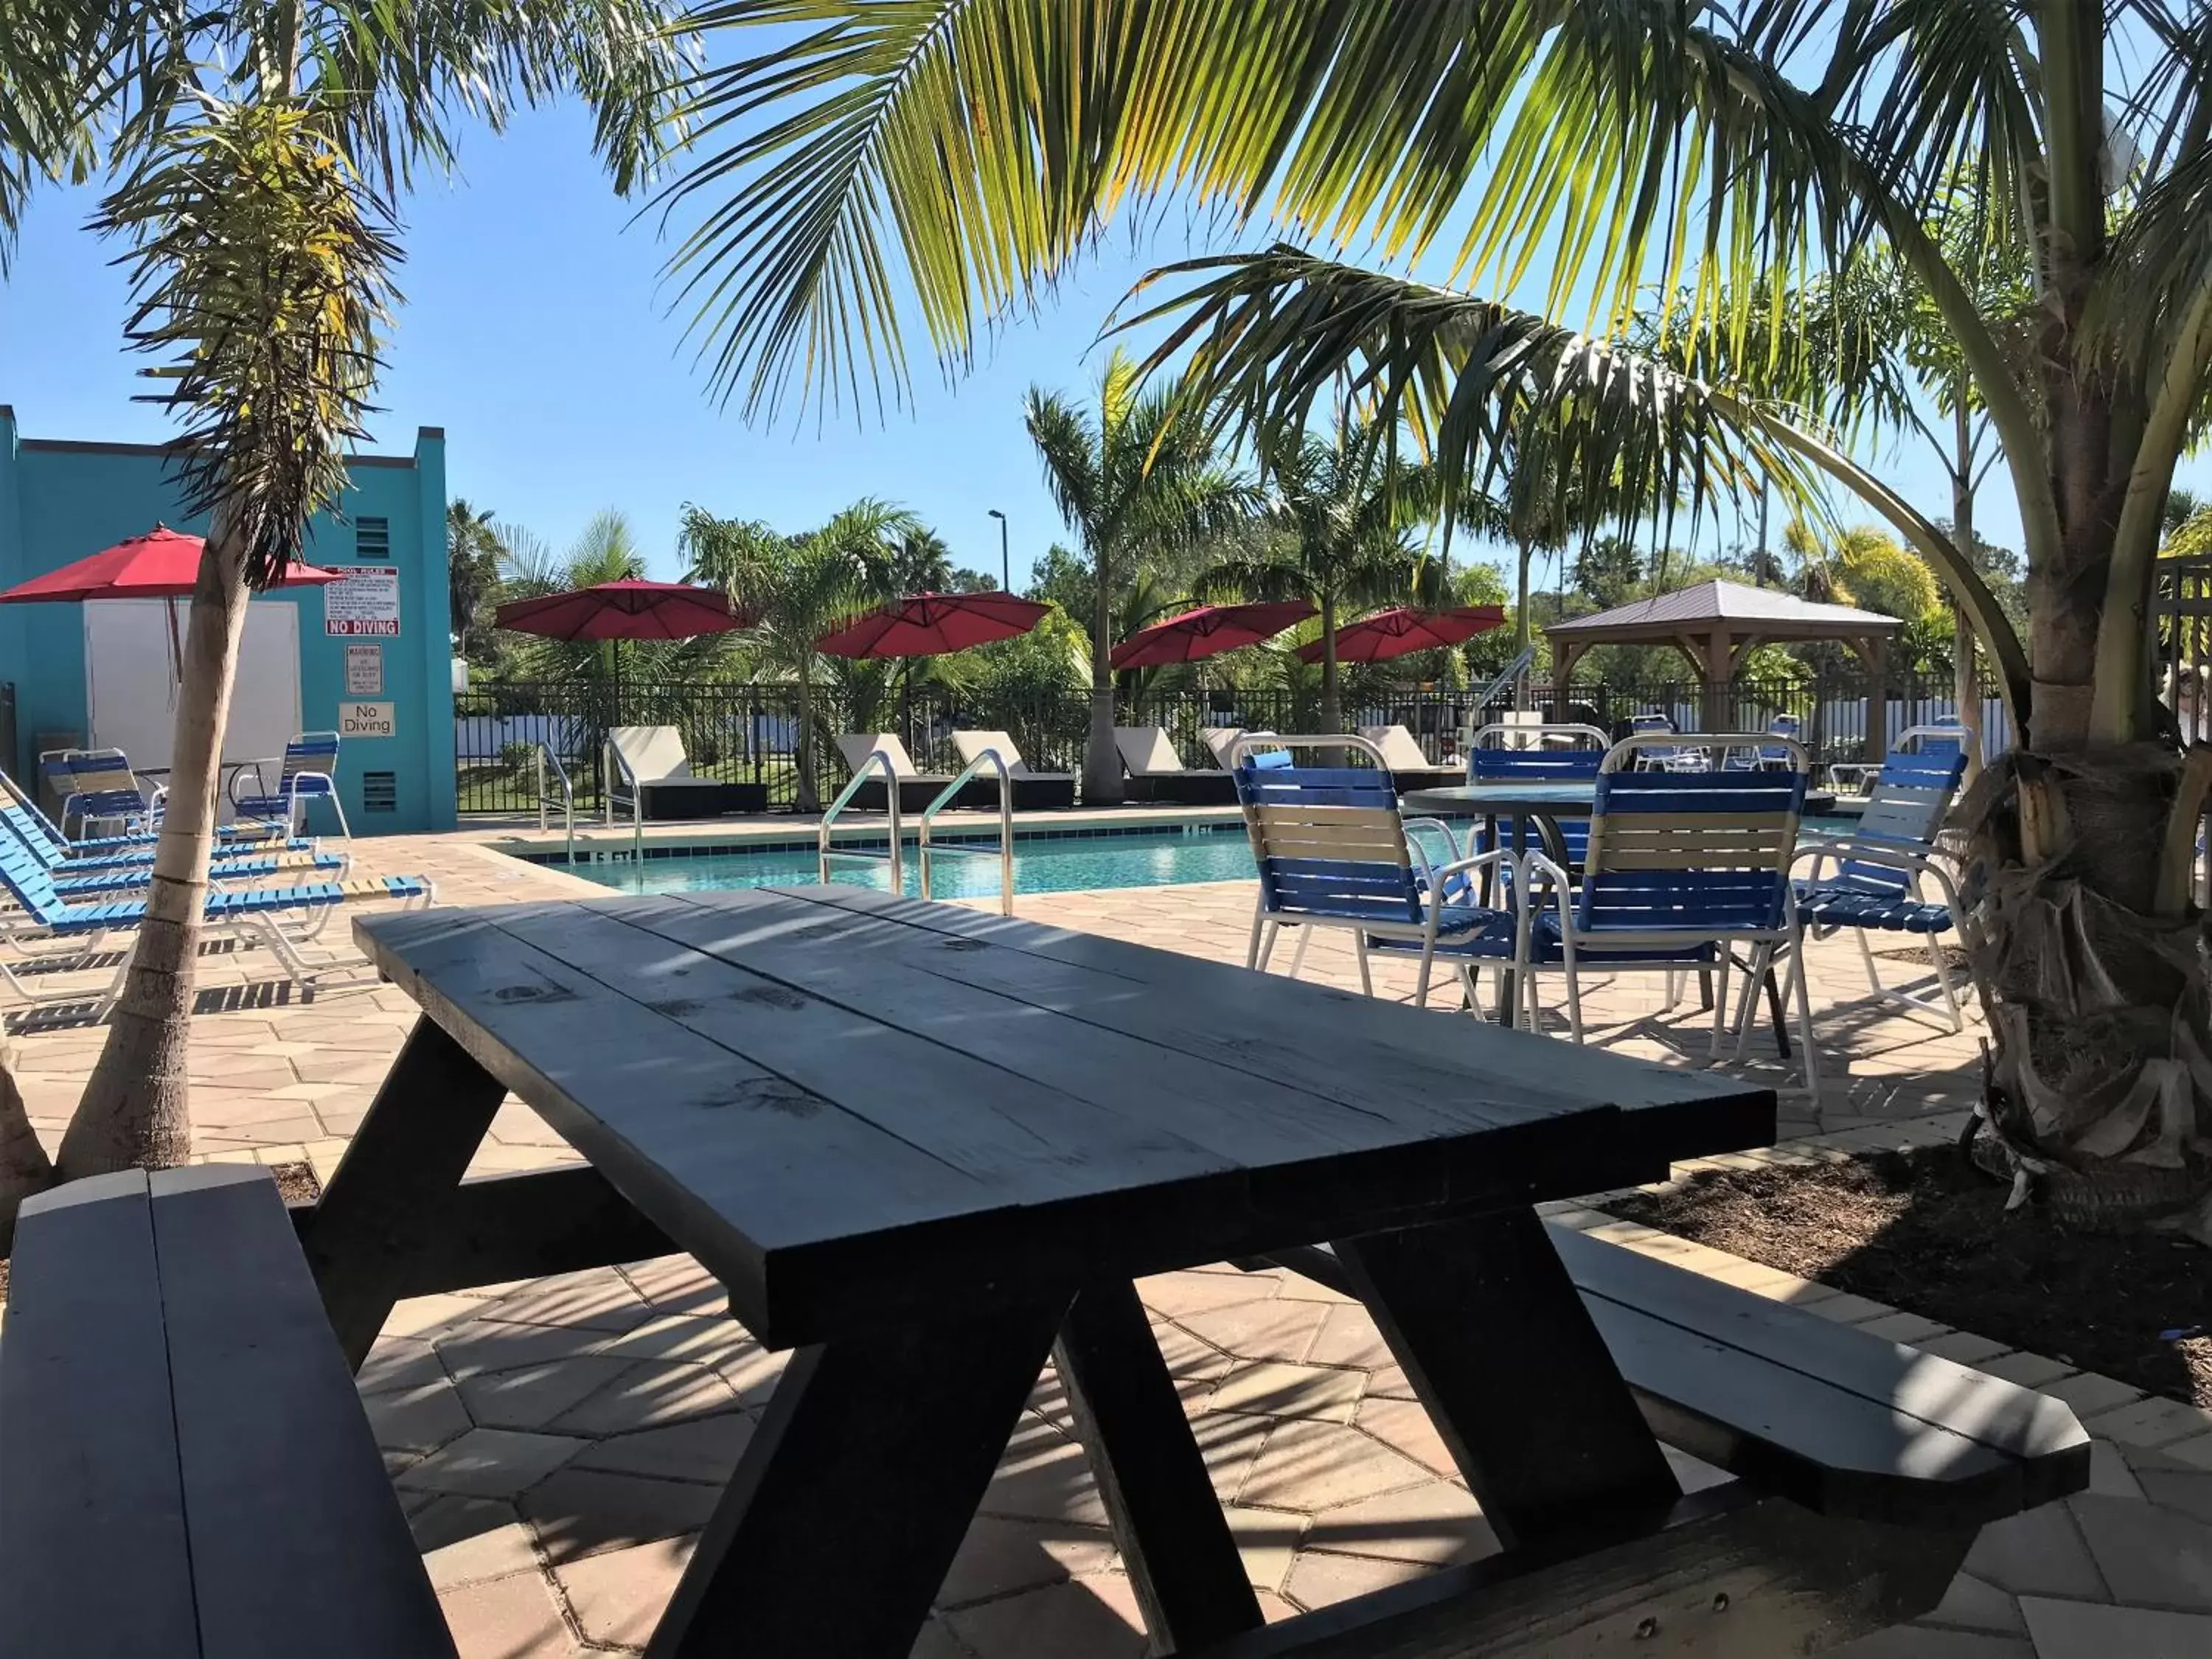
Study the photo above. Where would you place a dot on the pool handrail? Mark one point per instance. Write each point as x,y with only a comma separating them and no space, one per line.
1005,847
878,760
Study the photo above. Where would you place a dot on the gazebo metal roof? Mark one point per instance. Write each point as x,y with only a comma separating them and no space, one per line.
1714,623
1737,607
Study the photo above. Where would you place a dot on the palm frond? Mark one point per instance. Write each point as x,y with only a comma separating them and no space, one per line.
940,160
261,268
1273,333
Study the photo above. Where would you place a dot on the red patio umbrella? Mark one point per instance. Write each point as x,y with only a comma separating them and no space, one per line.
1402,630
631,608
1207,630
161,564
932,624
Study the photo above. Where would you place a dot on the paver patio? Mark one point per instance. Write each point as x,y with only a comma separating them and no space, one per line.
558,1443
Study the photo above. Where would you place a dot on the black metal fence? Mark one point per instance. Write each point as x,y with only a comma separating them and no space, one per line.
749,733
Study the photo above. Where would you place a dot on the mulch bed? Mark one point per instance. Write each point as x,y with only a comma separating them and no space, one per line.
1925,1231
297,1183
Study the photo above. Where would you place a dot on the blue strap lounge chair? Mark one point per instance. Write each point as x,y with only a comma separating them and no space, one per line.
254,915
1767,756
136,847
1663,755
122,871
309,771
1889,875
1333,853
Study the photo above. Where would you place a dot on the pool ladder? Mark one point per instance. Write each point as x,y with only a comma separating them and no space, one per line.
1004,850
893,852
566,800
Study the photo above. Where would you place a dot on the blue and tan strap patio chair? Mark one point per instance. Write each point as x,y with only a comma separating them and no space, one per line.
1562,753
97,786
307,771
1890,876
253,915
1333,853
1681,870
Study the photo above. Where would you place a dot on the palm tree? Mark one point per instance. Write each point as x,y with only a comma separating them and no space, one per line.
256,151
1133,482
1335,533
474,558
1638,148
800,587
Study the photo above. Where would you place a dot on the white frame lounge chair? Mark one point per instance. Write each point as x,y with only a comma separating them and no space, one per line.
1156,772
1033,790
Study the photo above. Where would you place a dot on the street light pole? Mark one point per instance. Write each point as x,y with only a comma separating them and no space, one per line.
1005,564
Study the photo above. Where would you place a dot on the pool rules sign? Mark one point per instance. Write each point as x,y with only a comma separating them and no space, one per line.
365,604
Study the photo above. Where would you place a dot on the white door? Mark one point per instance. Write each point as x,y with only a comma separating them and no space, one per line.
131,681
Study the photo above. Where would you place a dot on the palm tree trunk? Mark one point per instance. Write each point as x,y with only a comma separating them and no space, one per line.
2090,936
1965,677
810,794
1332,704
23,1166
136,1109
1522,634
1101,760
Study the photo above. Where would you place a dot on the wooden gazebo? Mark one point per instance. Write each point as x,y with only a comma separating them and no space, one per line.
1716,623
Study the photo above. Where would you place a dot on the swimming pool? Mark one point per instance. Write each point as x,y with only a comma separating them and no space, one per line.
1043,864
1063,862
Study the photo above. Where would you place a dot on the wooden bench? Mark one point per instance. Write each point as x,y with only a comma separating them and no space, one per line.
186,1469
1864,1468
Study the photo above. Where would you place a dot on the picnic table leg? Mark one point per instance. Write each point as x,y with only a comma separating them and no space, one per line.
1183,1565
853,1494
1502,1352
423,1128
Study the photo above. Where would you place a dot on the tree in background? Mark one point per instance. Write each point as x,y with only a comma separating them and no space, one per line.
1133,482
1335,531
255,152
475,562
800,587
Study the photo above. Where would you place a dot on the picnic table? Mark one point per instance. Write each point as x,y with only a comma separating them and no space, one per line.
929,1147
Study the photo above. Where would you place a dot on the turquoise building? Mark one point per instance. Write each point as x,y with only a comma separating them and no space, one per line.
370,658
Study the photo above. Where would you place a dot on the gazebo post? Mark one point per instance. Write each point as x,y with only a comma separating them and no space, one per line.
1874,651
1720,671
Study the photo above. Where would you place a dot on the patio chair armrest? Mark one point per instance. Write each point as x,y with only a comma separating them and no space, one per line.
1912,861
1555,876
260,778
1497,854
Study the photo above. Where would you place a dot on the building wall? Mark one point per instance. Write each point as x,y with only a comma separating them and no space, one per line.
61,501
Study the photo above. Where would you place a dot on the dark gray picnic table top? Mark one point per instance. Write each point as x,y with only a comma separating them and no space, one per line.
848,1105
931,1147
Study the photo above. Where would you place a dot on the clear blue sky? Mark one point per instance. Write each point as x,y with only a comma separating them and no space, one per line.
538,332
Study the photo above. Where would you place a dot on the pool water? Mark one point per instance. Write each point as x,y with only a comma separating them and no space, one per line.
1058,864
1043,864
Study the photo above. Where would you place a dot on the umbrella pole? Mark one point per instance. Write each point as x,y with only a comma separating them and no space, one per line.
176,652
